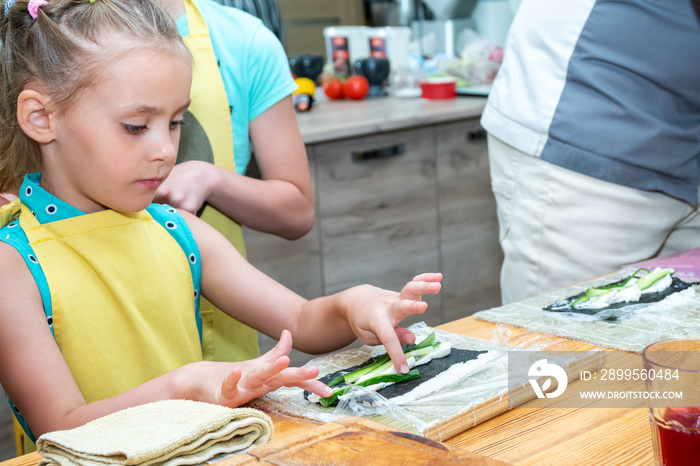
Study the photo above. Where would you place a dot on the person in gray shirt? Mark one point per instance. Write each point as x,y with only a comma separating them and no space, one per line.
593,128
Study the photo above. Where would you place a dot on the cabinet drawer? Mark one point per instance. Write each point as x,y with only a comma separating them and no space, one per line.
471,254
377,211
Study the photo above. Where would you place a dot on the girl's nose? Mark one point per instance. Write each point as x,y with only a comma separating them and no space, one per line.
165,149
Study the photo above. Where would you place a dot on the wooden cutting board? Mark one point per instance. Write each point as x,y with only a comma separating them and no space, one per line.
355,440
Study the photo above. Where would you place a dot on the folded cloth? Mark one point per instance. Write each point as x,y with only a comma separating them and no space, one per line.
168,433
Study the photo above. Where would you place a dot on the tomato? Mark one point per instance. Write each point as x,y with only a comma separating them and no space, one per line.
333,89
356,87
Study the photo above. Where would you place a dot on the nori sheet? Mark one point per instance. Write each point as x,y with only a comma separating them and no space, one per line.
427,372
649,298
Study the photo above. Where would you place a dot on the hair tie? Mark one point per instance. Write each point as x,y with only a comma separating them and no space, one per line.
8,4
34,6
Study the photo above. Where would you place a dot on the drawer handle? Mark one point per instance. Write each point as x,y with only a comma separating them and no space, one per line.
379,153
476,134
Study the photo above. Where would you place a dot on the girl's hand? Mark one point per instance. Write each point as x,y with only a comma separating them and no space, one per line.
374,313
240,382
188,186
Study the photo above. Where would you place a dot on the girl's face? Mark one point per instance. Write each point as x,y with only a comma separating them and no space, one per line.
119,140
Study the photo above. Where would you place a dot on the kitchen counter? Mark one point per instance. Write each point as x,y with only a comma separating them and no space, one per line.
338,119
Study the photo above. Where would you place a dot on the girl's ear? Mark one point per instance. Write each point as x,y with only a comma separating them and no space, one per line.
35,116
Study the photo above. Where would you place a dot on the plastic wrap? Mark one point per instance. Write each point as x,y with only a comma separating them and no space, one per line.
634,327
480,395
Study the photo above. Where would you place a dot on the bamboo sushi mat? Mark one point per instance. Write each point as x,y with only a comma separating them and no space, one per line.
635,328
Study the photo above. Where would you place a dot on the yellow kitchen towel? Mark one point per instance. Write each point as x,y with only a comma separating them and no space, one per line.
168,433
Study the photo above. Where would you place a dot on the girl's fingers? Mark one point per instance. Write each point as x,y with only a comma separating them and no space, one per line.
314,386
405,336
416,289
428,277
293,376
229,387
284,345
282,348
406,308
391,342
263,374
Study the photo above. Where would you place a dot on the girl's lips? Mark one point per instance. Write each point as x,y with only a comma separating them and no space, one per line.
151,183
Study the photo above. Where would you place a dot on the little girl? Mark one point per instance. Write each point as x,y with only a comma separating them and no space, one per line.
100,288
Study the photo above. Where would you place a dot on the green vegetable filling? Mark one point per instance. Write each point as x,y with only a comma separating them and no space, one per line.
379,366
385,378
642,283
384,362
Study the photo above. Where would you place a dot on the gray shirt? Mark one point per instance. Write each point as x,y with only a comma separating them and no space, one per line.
607,88
267,10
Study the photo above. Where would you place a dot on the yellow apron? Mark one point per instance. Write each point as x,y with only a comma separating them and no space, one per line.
122,298
223,338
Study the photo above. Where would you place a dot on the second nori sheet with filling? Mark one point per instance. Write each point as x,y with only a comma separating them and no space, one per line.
427,372
649,298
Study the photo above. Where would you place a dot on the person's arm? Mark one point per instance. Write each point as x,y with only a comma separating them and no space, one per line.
37,379
280,203
320,325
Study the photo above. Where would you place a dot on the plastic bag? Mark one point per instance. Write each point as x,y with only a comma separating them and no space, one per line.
479,60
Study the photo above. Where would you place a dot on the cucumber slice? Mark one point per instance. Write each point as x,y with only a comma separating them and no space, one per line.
652,277
352,377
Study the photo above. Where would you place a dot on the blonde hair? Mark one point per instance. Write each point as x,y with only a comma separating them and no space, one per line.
57,52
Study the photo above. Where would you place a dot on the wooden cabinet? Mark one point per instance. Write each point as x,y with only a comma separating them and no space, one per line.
390,206
376,210
470,253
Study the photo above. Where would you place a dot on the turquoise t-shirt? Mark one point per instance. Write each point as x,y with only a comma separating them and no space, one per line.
252,64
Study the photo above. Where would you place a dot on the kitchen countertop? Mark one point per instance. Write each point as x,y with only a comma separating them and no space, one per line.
339,119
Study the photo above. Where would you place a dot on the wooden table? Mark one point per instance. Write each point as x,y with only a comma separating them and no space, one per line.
527,436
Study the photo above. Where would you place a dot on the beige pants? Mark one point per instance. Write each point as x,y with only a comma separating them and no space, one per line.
558,227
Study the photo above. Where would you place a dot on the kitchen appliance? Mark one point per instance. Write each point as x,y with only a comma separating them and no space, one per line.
345,45
450,9
441,34
391,12
391,43
306,66
376,70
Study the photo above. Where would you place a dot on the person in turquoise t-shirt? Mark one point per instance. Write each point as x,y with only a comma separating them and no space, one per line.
258,84
241,75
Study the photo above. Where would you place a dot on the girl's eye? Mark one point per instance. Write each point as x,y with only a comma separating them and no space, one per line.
134,129
177,124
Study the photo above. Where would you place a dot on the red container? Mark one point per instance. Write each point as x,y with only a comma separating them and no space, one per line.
439,88
678,437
